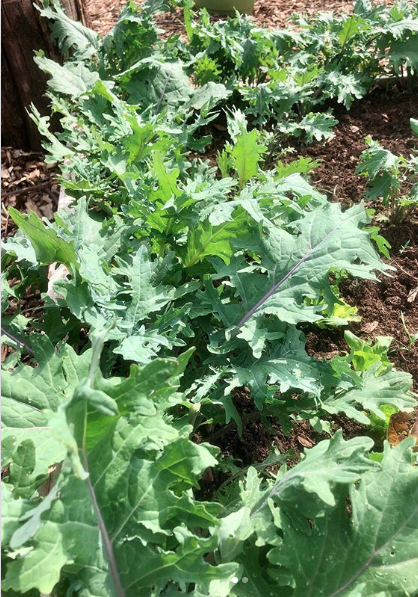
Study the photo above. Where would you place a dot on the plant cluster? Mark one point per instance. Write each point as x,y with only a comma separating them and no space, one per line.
185,279
392,178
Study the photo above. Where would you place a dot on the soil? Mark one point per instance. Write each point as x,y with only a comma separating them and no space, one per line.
30,184
267,13
383,115
27,184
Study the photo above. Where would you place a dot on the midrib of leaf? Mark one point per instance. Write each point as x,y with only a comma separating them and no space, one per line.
107,543
242,171
276,286
350,32
198,253
319,559
375,553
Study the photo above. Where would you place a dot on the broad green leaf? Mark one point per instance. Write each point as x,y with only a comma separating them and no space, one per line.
210,92
13,510
399,27
391,387
372,552
135,501
73,79
328,464
70,34
349,29
21,464
48,247
405,51
206,240
159,84
298,267
27,392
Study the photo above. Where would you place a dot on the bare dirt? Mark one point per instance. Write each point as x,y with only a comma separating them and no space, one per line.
383,115
27,184
267,13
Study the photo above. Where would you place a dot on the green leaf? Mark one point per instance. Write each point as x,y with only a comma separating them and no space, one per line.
298,267
27,392
158,83
146,293
286,366
206,240
382,168
73,79
246,155
22,463
70,34
349,29
329,464
316,126
48,247
13,510
375,390
136,499
404,51
167,181
342,555
209,93
346,87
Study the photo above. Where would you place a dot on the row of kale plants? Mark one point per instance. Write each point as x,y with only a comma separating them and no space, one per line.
182,278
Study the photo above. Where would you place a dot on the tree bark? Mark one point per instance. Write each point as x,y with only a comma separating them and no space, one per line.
23,32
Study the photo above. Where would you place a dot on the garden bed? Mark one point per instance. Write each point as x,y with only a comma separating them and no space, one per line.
209,391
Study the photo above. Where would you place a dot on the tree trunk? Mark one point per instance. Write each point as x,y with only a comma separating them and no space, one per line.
23,32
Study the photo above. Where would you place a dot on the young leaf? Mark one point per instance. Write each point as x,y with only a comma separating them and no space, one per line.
246,155
206,240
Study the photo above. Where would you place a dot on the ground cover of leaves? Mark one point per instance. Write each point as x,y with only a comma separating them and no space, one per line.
28,184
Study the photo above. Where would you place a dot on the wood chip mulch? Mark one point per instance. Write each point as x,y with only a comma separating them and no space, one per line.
27,184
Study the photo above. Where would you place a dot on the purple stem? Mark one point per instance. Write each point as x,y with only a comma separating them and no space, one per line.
273,289
17,340
114,572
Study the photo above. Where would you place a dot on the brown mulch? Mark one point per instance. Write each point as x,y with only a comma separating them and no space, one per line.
387,119
27,184
382,115
267,13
